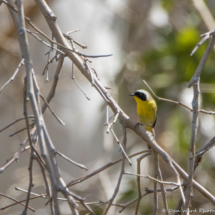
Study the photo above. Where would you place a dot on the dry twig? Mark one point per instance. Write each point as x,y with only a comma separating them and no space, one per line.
13,76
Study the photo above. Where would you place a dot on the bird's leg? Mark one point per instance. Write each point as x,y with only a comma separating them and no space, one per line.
137,125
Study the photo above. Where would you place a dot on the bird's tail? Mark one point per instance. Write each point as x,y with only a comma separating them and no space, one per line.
150,129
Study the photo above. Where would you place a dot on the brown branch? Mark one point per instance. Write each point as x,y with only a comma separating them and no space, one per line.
30,116
17,202
23,129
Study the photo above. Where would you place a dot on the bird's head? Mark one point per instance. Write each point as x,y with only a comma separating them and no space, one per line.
142,94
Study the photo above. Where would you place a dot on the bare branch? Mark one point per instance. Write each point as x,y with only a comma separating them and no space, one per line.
23,129
121,147
124,119
13,76
156,164
17,202
202,63
201,152
176,102
52,41
20,8
163,190
71,40
195,104
20,119
138,180
154,179
71,161
58,119
73,77
120,176
79,180
50,46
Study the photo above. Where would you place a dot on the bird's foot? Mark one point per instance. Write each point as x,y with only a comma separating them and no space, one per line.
137,125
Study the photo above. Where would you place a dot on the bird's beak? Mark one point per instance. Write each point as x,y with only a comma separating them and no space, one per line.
131,95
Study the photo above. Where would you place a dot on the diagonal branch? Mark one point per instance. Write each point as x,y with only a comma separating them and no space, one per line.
13,76
123,118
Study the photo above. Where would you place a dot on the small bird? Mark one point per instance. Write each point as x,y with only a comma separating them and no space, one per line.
146,109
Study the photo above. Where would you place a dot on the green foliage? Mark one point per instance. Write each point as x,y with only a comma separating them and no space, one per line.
172,58
169,65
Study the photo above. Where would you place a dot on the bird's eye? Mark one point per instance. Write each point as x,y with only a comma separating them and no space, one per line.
142,96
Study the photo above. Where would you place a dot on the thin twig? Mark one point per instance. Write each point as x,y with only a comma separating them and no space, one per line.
81,179
48,62
202,63
138,180
200,153
120,175
71,39
46,70
46,181
58,119
176,102
163,190
208,19
20,119
121,147
72,31
17,202
15,156
52,41
73,77
71,161
148,191
23,129
155,196
13,76
50,46
113,122
154,179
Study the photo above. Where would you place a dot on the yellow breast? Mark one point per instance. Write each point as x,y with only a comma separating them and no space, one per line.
147,111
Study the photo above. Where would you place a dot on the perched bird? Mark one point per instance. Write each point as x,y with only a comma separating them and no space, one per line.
146,109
